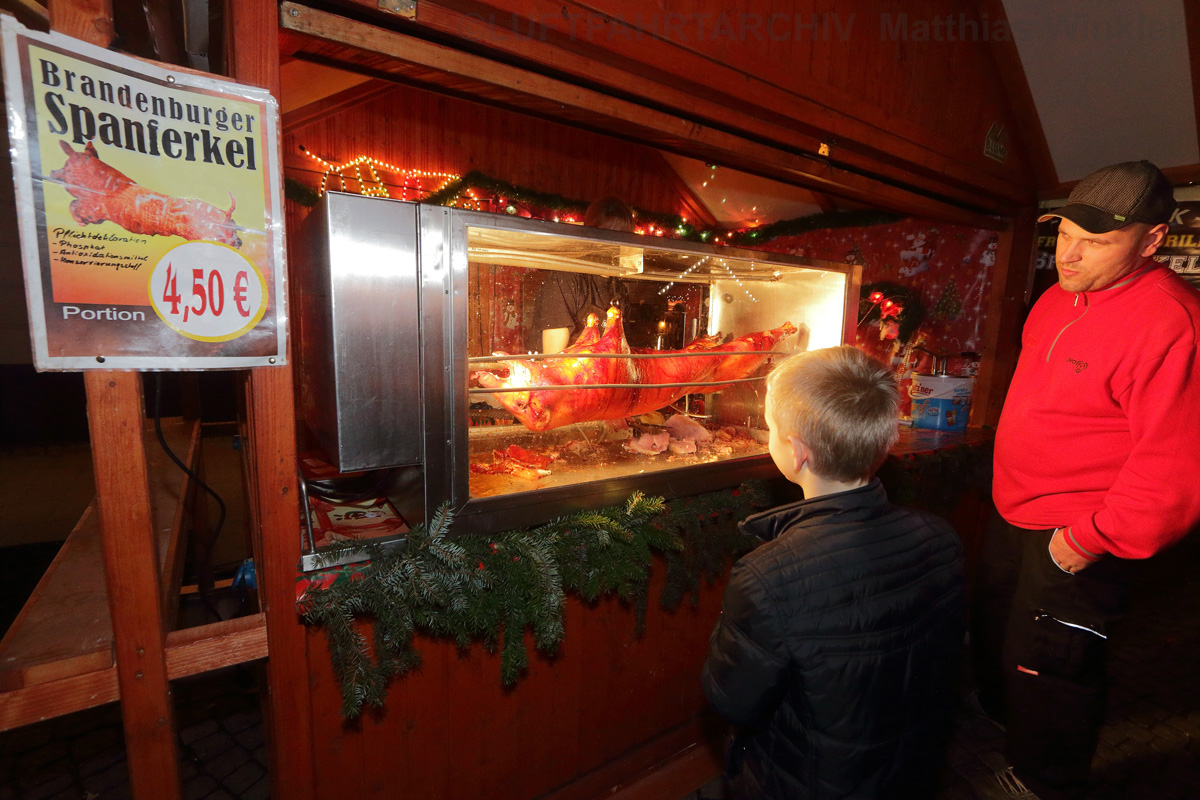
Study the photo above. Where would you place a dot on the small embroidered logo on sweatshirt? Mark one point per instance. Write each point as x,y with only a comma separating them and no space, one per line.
1079,366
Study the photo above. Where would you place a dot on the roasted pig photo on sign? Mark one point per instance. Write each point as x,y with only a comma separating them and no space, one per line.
104,193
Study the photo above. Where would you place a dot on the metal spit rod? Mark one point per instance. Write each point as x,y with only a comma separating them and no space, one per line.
308,528
690,354
613,386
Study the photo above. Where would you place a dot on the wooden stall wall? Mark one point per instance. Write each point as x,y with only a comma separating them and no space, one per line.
910,90
609,704
414,129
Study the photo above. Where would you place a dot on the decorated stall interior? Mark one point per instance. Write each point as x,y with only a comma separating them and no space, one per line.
487,566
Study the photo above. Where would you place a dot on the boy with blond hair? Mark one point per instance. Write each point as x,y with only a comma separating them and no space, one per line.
836,653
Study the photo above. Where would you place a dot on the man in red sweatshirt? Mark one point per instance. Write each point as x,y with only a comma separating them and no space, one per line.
1096,456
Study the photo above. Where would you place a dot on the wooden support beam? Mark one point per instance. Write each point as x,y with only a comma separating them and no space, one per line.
1008,300
116,421
1182,175
220,644
550,37
89,20
1020,99
44,701
165,30
1191,18
29,13
825,202
270,423
189,652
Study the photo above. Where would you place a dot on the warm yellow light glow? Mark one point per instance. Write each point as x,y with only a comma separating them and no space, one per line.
375,185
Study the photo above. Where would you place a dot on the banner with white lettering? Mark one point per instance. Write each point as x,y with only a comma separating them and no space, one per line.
149,207
1180,249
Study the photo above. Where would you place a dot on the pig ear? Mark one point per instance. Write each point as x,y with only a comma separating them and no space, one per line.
66,147
90,149
232,206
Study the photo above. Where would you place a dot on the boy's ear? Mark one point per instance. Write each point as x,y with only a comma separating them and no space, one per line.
800,454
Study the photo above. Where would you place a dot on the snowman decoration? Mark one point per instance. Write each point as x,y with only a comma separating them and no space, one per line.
988,257
917,255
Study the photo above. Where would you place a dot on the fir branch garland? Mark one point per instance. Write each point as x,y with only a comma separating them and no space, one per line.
493,589
297,192
798,225
477,180
673,224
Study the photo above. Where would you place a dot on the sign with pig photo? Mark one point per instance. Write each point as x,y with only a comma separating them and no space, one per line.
149,209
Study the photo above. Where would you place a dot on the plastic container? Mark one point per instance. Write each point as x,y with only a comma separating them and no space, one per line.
941,402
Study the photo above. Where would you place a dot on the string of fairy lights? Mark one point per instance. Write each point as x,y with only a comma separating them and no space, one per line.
362,174
686,272
479,192
738,280
411,185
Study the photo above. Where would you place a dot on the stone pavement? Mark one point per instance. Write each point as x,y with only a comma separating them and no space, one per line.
82,756
1149,749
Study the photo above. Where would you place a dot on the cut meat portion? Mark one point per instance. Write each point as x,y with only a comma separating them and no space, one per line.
682,427
650,444
544,406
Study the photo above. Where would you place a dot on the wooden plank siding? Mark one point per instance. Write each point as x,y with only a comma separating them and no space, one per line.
415,129
772,147
451,730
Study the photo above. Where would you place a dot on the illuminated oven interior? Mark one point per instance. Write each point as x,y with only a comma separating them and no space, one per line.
668,374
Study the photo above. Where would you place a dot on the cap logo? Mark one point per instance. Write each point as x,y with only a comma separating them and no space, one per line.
1118,217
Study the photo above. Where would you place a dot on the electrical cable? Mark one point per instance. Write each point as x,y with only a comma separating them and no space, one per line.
205,549
344,491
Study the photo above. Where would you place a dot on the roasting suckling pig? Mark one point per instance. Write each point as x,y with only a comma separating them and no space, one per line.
541,409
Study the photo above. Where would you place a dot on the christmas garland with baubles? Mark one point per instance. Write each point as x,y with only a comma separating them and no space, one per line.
495,588
530,202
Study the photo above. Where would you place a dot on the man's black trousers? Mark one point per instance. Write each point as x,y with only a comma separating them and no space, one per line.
1039,647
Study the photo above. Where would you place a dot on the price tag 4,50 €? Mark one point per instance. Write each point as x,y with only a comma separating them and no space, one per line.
207,291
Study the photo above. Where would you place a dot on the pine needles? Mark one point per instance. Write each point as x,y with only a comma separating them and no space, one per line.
494,589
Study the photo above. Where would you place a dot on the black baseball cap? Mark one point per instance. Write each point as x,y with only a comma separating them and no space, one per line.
1116,196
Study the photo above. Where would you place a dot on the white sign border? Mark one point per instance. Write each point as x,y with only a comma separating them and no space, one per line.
14,90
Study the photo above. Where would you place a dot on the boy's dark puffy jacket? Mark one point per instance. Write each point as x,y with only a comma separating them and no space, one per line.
836,653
